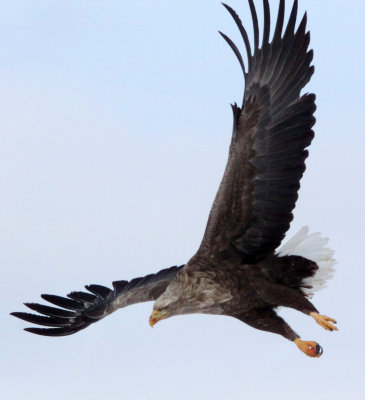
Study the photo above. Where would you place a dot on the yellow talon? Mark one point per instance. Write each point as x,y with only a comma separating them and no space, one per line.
311,349
324,321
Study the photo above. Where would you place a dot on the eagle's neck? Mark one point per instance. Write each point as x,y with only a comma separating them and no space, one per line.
194,292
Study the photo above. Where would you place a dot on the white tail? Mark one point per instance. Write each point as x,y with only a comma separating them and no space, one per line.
313,247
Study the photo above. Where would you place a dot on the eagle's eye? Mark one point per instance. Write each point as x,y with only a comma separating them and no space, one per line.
164,308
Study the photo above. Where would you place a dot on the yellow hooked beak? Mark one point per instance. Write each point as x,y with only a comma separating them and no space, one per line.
157,316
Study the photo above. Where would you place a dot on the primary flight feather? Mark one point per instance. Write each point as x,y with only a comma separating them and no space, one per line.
238,270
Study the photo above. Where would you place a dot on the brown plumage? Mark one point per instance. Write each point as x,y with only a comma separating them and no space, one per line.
236,271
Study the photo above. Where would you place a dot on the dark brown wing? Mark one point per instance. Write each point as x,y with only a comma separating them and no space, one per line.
253,207
81,309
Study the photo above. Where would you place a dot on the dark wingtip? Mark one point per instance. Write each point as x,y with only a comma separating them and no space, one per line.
267,22
35,330
279,21
242,30
83,297
55,332
255,23
99,290
13,314
17,314
63,302
43,320
50,311
235,51
229,9
292,19
224,36
303,24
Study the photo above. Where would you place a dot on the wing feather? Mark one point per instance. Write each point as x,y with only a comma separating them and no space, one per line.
253,207
235,51
241,28
255,23
265,38
89,308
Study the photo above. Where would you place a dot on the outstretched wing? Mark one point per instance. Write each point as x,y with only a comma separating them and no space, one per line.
81,309
253,207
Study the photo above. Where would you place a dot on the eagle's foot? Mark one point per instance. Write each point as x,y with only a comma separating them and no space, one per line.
311,349
324,321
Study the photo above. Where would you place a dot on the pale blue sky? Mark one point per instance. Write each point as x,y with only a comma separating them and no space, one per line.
115,125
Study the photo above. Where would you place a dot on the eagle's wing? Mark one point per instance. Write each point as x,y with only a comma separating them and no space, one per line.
81,309
253,207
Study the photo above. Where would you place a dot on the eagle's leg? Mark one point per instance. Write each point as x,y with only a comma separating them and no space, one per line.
279,295
266,319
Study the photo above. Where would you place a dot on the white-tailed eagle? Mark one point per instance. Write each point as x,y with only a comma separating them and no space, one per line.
238,269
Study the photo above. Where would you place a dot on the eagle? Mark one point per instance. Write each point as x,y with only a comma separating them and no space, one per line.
239,270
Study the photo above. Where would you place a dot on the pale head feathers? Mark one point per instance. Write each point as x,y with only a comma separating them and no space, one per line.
190,293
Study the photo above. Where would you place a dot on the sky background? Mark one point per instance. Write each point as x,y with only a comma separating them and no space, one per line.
115,126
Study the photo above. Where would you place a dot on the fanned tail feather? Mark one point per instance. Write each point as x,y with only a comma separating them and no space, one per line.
312,247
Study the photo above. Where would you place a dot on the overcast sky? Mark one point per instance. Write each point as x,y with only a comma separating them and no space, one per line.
115,125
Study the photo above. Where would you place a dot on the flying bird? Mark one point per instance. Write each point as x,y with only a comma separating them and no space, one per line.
239,269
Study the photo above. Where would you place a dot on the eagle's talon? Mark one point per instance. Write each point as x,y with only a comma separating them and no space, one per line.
324,321
319,350
311,349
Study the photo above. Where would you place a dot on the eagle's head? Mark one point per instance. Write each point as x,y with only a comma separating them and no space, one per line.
189,294
174,301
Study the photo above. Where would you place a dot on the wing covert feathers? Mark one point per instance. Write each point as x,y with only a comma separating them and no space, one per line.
81,309
253,207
